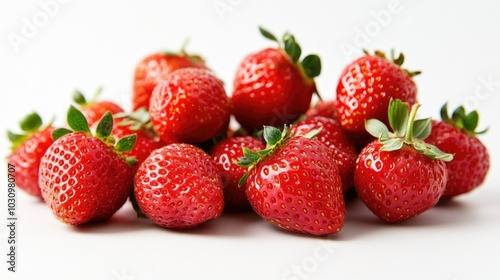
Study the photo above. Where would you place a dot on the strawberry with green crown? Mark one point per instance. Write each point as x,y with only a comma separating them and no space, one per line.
471,161
84,177
94,109
399,176
273,86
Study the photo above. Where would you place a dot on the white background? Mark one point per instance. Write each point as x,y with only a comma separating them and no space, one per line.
86,44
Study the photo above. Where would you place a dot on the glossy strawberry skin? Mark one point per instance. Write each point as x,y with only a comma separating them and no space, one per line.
334,137
26,159
153,69
400,184
298,188
327,109
225,153
94,111
269,90
82,180
365,88
144,144
179,186
189,106
471,160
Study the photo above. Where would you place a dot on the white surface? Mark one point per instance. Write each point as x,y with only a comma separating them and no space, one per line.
85,44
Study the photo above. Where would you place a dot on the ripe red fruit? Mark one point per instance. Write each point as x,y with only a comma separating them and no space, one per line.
93,110
334,137
83,178
272,87
155,68
295,184
327,109
27,150
179,186
399,176
365,88
189,106
225,154
471,160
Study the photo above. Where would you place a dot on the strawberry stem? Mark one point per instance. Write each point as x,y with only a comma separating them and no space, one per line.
411,120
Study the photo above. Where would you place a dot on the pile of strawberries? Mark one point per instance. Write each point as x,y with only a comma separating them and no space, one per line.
176,160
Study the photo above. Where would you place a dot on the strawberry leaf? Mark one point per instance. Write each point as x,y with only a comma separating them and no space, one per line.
392,144
311,65
272,135
125,144
422,128
268,34
291,47
444,113
398,116
251,154
377,129
60,132
105,125
15,137
76,120
79,98
432,151
243,179
471,120
31,122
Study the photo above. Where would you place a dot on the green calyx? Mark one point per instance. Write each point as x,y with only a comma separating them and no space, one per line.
79,97
194,58
310,65
32,123
406,131
467,122
399,60
274,139
77,122
137,120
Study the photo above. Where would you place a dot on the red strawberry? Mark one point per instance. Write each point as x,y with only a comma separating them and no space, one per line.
295,183
27,151
155,68
83,178
272,87
225,154
365,88
457,136
327,109
190,106
139,123
400,176
179,186
334,137
93,110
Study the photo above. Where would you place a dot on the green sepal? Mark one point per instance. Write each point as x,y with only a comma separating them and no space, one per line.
377,129
422,128
398,117
105,125
392,144
471,121
460,119
13,137
432,151
243,178
311,65
126,143
291,47
31,122
251,154
268,34
130,161
79,98
59,132
77,121
313,133
272,135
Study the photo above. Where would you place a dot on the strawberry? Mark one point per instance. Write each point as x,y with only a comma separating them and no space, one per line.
139,123
294,183
93,110
365,89
457,136
327,109
226,153
155,68
272,87
179,186
400,176
84,178
189,105
27,150
334,137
